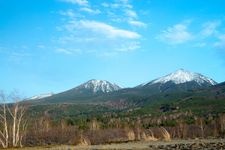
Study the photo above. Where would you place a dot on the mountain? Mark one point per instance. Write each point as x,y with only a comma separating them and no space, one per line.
178,92
180,80
101,91
84,92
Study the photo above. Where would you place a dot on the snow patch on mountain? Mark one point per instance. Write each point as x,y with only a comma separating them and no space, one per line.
99,86
183,76
40,96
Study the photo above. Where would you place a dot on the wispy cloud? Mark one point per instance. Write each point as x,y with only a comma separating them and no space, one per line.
84,7
94,36
101,28
64,51
91,11
78,2
108,30
123,11
137,23
176,34
129,47
67,51
68,13
132,18
131,13
117,4
40,46
210,28
19,57
20,54
200,44
220,42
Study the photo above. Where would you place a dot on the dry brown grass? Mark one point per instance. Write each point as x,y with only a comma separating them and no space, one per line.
129,145
165,134
151,137
131,135
84,141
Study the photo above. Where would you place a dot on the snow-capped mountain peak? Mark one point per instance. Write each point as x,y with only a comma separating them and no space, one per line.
99,86
183,76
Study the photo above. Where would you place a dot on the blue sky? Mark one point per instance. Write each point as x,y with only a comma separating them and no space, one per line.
54,45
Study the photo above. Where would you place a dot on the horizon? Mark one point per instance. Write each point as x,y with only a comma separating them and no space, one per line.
54,45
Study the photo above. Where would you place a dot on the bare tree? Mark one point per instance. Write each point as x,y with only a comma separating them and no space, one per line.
4,137
94,125
221,123
12,122
17,112
201,123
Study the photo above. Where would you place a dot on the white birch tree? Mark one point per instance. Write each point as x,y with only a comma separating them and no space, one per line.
12,122
4,134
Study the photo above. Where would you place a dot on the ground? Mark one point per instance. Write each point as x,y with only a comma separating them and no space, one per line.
198,144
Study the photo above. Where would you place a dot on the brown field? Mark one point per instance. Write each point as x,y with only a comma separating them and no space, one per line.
206,144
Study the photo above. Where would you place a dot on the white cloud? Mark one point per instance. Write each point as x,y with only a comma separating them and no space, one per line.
125,3
69,13
91,11
118,48
126,47
132,18
105,29
105,4
117,4
210,28
67,51
121,11
200,44
79,31
19,56
64,51
98,38
137,23
78,2
24,46
108,54
130,13
176,34
221,41
41,46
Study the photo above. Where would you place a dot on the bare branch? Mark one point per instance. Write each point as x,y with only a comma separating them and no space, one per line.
2,134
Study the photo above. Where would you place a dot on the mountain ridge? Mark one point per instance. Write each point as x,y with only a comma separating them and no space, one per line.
102,90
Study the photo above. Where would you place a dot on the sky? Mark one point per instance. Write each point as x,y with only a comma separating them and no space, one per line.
54,45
